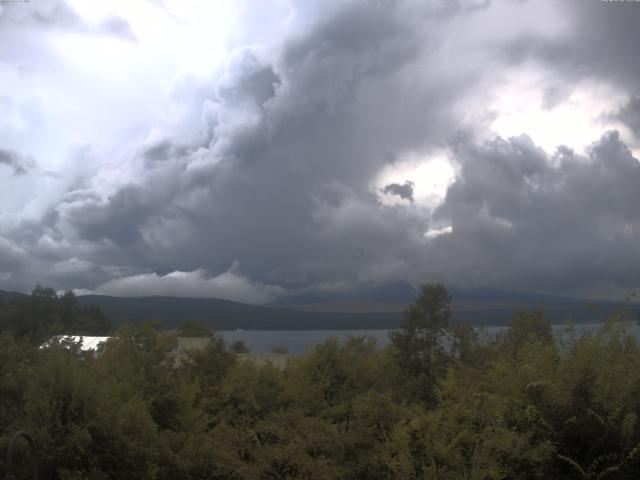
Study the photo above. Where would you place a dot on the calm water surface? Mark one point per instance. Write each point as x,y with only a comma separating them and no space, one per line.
297,342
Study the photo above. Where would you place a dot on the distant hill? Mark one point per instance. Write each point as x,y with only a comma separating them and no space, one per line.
478,307
8,296
388,292
225,315
362,310
481,306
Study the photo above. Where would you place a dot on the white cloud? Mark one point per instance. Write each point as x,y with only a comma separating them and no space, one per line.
436,232
230,285
531,100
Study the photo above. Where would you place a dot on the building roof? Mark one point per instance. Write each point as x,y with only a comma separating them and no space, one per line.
87,343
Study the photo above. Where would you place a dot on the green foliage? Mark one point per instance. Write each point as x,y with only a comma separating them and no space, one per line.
520,406
239,346
528,327
418,344
43,314
464,343
208,366
194,329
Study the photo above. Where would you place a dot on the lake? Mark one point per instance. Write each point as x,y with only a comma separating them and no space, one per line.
297,342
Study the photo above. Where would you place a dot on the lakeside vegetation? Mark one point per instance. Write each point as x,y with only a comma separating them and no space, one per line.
519,406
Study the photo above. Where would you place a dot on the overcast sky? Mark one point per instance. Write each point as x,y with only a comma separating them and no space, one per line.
252,150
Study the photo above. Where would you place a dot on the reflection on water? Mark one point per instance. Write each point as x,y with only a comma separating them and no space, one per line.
298,342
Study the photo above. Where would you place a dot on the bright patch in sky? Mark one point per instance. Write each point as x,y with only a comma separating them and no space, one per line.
554,115
84,101
436,232
173,32
431,175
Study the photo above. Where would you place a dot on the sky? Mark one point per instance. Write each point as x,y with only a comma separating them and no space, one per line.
257,150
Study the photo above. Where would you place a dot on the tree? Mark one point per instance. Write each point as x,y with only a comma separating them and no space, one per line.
44,293
239,347
208,365
418,342
464,342
44,313
527,327
194,329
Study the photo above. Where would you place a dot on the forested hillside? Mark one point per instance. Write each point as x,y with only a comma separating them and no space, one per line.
476,307
520,406
44,313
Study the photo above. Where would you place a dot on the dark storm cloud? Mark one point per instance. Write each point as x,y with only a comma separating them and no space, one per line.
248,79
404,191
630,115
12,257
22,265
601,42
282,180
521,219
289,156
19,164
283,147
118,219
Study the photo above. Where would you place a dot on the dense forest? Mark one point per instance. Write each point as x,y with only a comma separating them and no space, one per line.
437,403
44,313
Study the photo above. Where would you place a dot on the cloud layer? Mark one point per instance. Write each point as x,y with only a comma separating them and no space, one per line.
230,285
559,220
271,154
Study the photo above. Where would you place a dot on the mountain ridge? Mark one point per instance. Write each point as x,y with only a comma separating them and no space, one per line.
475,306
